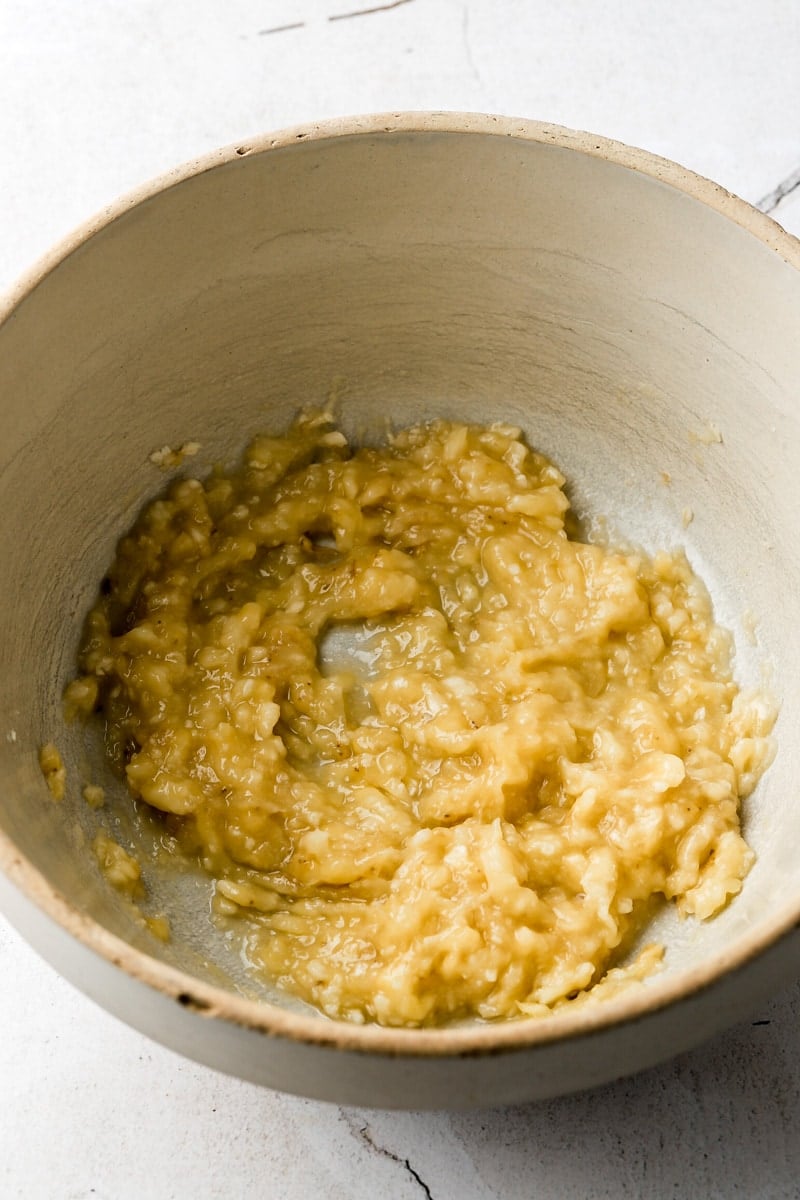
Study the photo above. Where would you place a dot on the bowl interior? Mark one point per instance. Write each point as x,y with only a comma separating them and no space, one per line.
622,321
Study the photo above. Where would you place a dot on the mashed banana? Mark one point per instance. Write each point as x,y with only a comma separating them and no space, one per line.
442,758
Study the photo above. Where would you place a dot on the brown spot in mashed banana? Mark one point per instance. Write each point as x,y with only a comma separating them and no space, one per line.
440,759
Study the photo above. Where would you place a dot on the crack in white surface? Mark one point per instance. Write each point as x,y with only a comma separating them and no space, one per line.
773,199
362,1132
282,28
366,12
344,16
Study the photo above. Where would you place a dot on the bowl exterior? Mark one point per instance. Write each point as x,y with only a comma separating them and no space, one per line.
609,302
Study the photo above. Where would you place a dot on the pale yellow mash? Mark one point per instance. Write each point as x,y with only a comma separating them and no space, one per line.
440,759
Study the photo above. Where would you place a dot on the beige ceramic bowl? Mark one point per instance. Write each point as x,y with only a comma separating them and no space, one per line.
619,308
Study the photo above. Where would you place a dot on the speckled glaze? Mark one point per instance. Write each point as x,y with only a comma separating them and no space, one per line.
619,308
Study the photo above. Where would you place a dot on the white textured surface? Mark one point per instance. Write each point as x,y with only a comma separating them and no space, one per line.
97,97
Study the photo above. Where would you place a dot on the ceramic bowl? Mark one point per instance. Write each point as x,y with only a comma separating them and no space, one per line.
637,321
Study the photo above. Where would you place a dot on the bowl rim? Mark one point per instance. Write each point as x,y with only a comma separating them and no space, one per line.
262,1016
